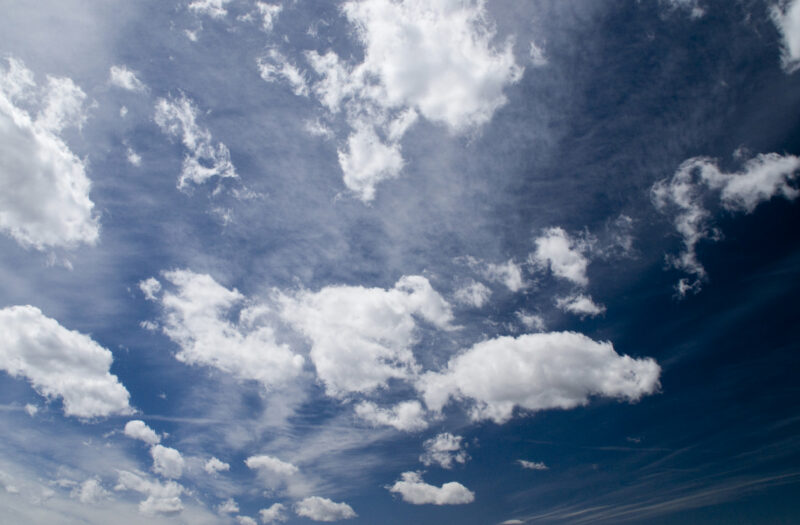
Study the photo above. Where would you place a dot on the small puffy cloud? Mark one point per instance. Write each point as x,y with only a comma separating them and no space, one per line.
474,294
150,288
45,199
178,118
362,337
274,514
530,321
212,8
564,255
274,66
684,195
134,158
537,372
160,498
414,490
407,416
786,16
538,58
167,461
581,305
532,465
229,506
214,465
271,466
246,520
444,450
323,509
137,429
509,273
124,78
90,492
60,363
368,161
31,410
268,12
196,318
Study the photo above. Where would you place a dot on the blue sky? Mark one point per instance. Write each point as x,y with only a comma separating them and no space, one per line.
395,261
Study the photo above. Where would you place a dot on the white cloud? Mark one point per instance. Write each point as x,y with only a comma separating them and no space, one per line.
45,199
161,498
362,337
274,65
178,118
167,461
246,520
274,514
215,465
268,12
444,450
212,8
150,288
537,372
229,506
31,410
323,509
407,416
692,6
196,318
124,78
90,492
271,466
368,161
564,255
580,304
414,490
60,363
137,429
509,273
134,158
538,58
531,321
532,465
763,177
474,294
786,16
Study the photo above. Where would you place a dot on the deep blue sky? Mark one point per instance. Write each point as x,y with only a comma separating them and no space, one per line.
320,266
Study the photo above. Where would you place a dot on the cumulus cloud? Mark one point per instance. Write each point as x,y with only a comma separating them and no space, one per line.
167,461
368,161
60,363
160,498
274,514
537,372
530,321
246,520
137,429
90,492
124,78
532,465
563,254
196,318
229,506
177,117
445,449
786,16
474,294
212,8
272,471
268,12
684,195
45,199
414,490
274,66
580,304
150,288
362,337
214,465
508,273
407,416
323,509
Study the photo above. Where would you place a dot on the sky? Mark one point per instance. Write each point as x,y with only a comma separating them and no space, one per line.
399,261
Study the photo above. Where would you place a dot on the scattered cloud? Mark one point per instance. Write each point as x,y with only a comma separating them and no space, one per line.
537,372
323,509
160,498
368,161
246,520
122,77
150,288
90,492
268,12
60,363
214,465
167,461
137,429
45,199
581,305
445,449
414,490
538,58
563,254
229,506
532,465
274,514
786,15
274,66
473,294
531,321
509,273
407,416
212,8
271,466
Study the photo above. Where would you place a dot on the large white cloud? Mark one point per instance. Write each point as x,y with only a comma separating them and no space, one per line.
445,449
161,498
407,416
684,195
60,363
196,318
786,16
177,117
414,490
323,509
537,372
563,254
45,199
362,337
138,429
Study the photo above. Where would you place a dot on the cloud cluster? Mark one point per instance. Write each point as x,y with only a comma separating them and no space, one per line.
444,449
684,195
414,490
45,199
274,514
160,498
407,416
60,363
786,15
323,509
